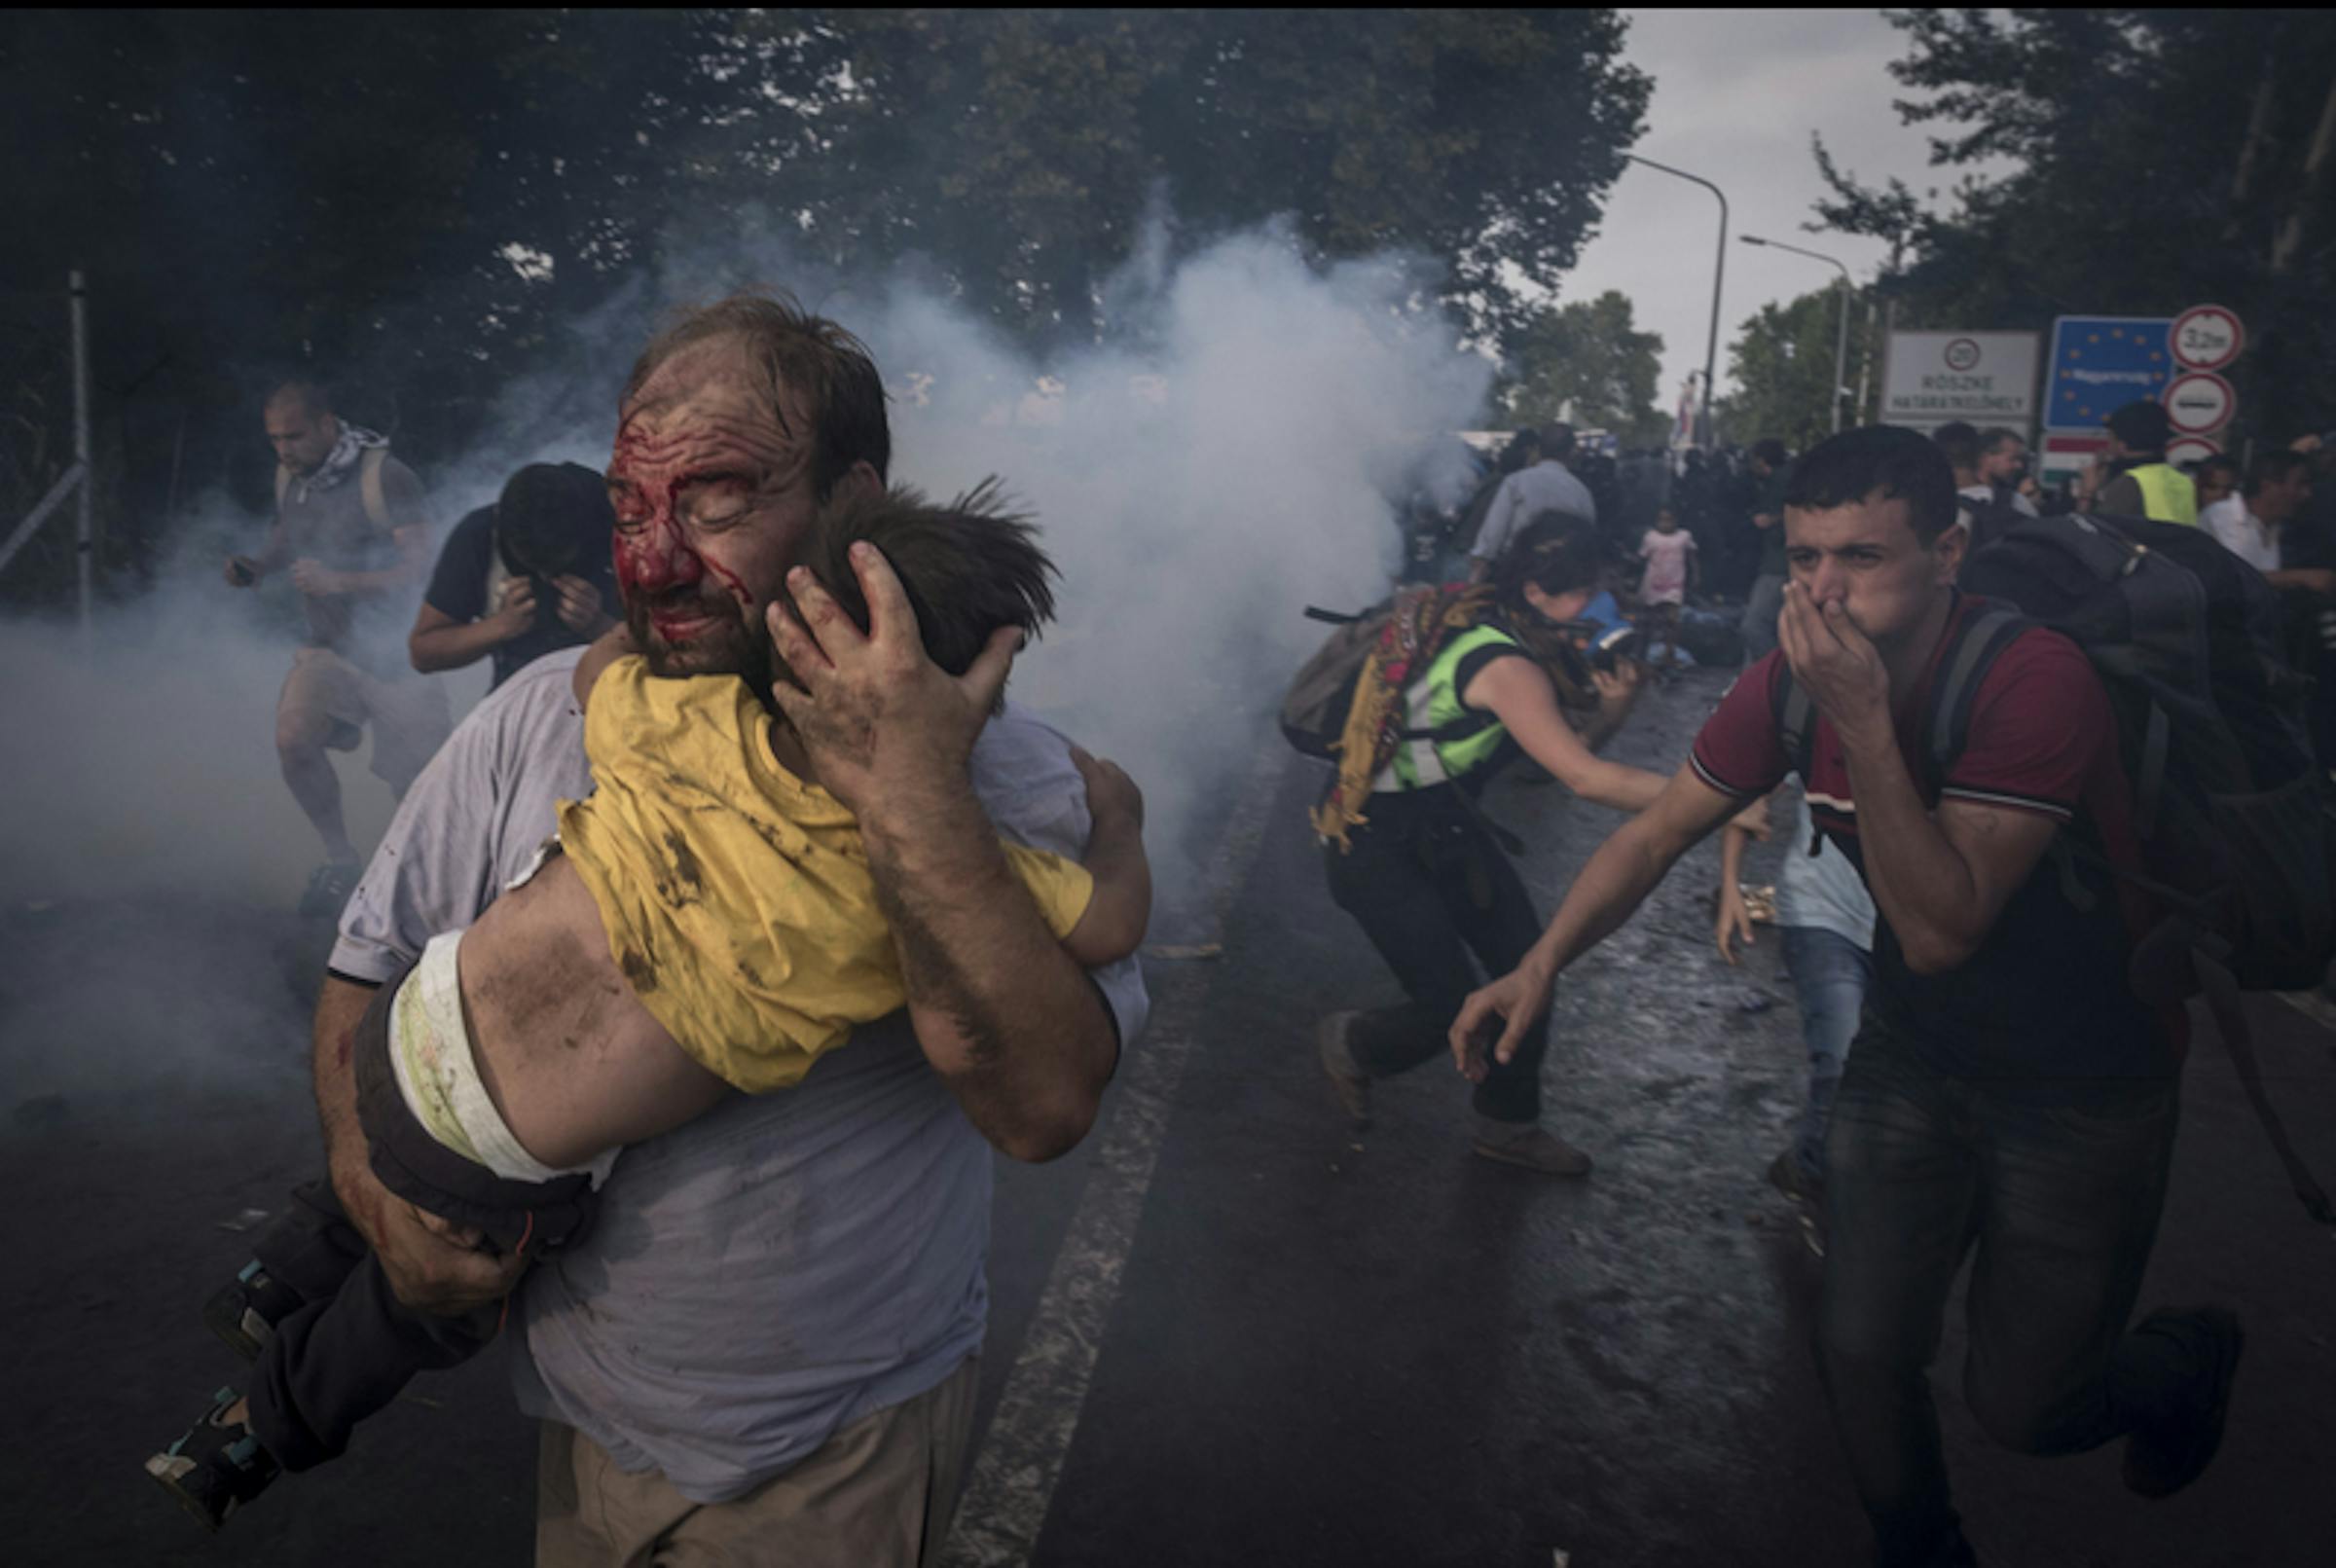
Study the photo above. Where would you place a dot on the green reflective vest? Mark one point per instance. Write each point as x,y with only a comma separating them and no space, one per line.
2167,493
1431,702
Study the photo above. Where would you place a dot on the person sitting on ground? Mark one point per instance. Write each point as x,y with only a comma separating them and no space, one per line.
1412,859
705,921
1670,552
524,577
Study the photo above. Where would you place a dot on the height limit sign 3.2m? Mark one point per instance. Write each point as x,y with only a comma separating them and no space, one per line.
2206,337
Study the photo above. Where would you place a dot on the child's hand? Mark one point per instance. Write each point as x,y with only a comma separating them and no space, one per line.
1735,921
1110,790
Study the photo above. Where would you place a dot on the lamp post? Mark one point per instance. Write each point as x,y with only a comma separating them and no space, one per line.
1841,351
1719,272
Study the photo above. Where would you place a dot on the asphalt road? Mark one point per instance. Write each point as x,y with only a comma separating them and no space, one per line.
1228,1330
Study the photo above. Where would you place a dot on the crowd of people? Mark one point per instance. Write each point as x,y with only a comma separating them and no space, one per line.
1977,919
747,791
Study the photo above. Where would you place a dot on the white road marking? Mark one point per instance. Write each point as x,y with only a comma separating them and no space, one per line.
1006,1497
2313,1005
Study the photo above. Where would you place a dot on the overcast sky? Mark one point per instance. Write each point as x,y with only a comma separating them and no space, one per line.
1736,96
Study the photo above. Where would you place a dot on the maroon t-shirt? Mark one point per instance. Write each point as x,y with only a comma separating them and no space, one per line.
2046,994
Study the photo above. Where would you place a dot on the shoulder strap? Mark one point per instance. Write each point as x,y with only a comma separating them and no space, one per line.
369,485
1796,724
1470,721
1981,641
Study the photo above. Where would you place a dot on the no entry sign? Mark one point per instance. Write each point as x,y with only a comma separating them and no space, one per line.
2200,401
2206,337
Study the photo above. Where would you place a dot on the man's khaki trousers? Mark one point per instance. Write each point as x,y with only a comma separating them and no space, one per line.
878,1494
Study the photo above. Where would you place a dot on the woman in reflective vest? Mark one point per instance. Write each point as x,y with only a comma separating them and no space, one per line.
1414,862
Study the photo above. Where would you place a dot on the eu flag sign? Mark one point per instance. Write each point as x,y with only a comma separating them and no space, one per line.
2101,362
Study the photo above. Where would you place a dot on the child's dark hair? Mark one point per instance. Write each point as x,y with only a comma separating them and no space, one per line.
968,568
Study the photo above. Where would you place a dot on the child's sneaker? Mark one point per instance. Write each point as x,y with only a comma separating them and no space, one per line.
244,1313
216,1467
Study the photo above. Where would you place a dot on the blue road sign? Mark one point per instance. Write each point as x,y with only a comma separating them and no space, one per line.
2100,363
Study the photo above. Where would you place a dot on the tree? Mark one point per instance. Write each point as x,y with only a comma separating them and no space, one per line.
2166,159
424,207
1586,354
1784,369
1018,151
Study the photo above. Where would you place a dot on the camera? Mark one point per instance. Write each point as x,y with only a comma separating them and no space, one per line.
1610,647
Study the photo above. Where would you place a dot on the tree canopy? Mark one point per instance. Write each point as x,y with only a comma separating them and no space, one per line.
422,204
1587,355
1783,363
2165,158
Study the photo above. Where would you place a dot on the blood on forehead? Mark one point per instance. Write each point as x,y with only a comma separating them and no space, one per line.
665,445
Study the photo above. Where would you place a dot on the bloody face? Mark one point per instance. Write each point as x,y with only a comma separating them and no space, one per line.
712,501
1866,554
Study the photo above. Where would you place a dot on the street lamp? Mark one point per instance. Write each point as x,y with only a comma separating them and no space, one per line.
1841,351
1719,270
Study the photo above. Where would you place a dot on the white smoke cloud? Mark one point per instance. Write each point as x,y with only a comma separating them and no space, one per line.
1198,492
1226,464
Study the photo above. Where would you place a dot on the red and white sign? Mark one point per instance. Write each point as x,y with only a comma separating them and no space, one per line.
2192,448
2200,401
2065,453
2205,337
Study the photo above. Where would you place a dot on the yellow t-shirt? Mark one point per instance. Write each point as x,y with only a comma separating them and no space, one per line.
737,899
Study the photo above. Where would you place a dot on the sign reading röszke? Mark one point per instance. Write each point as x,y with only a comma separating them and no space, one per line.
1984,377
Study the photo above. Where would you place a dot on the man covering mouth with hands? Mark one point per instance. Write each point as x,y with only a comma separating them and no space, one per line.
2007,1090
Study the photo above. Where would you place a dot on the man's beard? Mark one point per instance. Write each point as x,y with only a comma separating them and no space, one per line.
733,643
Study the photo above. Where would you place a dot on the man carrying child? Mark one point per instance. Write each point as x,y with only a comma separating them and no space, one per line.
705,1377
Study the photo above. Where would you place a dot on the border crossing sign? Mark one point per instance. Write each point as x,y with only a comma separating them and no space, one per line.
2101,362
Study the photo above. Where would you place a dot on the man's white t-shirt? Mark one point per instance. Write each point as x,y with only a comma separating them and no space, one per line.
2242,533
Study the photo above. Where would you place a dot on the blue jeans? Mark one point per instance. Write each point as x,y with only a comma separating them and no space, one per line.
2061,1198
1830,975
1761,606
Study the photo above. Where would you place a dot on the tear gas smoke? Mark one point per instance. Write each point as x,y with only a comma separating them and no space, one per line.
1228,457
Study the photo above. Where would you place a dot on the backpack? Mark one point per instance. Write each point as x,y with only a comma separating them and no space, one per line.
2228,802
1322,694
1985,522
369,485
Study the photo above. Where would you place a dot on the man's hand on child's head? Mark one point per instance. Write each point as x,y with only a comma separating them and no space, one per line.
887,728
1110,790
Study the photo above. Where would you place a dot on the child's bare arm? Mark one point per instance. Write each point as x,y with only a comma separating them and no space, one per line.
573,1062
1120,910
